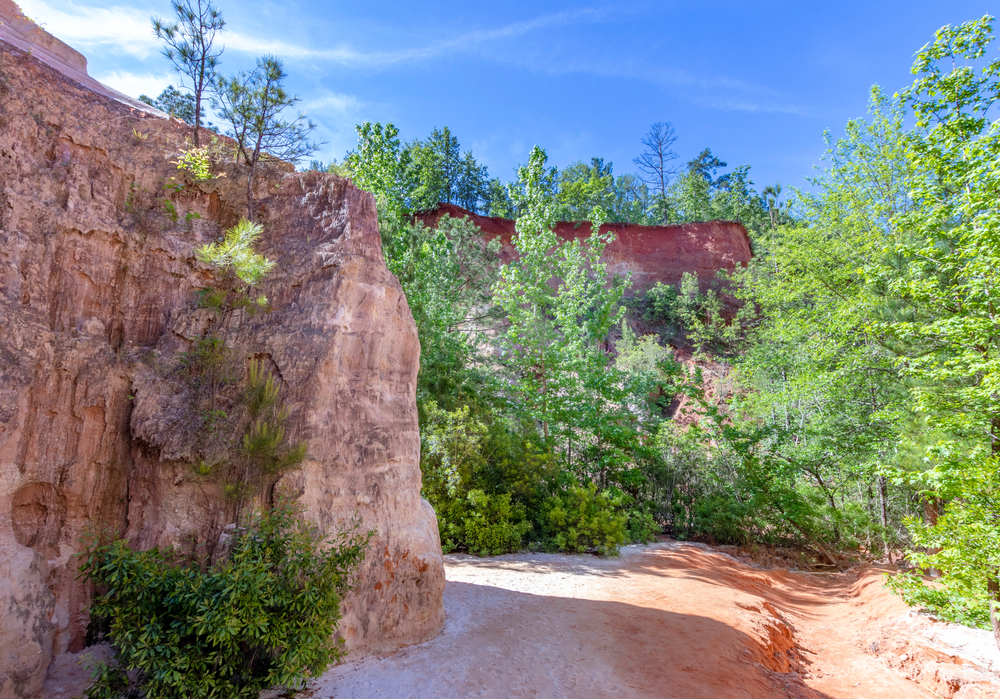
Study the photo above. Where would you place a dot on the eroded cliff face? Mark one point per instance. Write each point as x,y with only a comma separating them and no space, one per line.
98,282
650,253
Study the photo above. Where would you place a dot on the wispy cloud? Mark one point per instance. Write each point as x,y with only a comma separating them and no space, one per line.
348,56
762,107
126,30
123,29
331,102
136,84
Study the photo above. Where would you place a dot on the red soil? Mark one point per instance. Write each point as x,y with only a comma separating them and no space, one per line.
651,253
672,621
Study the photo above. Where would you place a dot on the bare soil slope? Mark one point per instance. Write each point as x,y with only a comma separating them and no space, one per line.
673,620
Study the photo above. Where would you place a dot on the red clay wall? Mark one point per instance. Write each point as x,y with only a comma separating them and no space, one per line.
651,253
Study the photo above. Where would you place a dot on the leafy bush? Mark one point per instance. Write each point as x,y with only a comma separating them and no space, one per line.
582,520
263,616
488,528
196,163
966,542
948,602
642,527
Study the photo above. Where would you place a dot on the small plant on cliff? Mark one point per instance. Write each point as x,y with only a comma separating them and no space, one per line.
196,163
263,616
236,253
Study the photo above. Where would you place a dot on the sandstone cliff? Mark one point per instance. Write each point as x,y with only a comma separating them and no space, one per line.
97,301
651,253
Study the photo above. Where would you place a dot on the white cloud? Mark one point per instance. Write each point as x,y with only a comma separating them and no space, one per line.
348,56
331,101
740,105
135,84
125,29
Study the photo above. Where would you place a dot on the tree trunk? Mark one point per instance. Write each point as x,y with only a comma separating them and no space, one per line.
250,194
932,509
993,587
883,495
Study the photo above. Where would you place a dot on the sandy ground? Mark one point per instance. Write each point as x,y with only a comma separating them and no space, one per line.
671,620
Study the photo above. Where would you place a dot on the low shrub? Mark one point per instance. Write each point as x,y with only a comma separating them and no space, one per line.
263,616
581,520
488,525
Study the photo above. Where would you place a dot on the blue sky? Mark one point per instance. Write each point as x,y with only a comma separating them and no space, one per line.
758,82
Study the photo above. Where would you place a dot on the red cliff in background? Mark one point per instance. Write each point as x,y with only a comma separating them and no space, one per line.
651,253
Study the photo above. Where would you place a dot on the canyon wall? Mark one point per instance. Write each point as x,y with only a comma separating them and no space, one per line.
98,285
650,253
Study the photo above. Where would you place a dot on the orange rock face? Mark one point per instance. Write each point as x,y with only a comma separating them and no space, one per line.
98,283
650,253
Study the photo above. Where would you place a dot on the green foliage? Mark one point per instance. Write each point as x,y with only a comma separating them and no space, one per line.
965,542
952,603
262,616
447,273
175,103
488,528
582,520
453,465
558,311
440,172
195,161
378,165
581,189
236,253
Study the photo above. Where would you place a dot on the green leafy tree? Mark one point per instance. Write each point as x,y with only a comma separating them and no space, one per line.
190,48
945,274
447,273
175,103
823,385
582,188
379,165
253,104
559,313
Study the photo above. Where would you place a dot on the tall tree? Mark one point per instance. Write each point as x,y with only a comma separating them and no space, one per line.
949,274
378,165
190,47
705,165
559,311
655,162
253,103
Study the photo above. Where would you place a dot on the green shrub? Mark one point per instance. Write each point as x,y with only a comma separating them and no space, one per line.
489,529
263,616
582,520
663,304
949,602
642,527
721,519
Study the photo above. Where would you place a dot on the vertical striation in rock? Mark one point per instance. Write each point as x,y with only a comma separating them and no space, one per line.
98,281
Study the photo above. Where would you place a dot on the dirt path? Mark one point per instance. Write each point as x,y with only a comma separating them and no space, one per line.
672,621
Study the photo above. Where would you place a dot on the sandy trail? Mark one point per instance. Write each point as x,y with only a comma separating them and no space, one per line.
672,620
